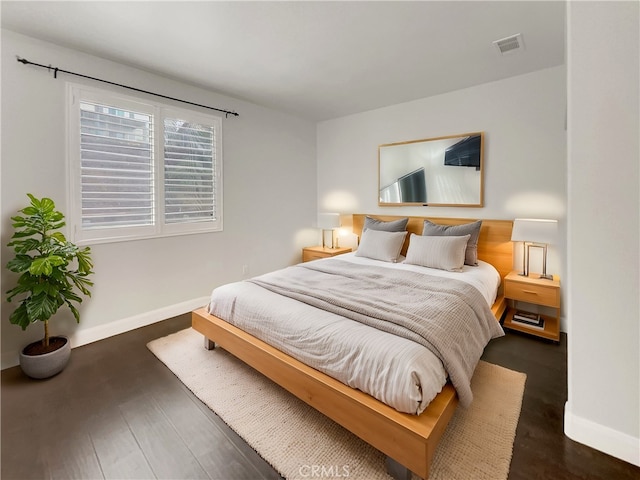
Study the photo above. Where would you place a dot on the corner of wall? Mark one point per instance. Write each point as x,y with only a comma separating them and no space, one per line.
600,437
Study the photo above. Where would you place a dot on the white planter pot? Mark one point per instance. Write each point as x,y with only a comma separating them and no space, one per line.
48,364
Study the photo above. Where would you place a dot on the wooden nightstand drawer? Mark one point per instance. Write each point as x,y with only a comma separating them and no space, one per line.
536,291
548,296
315,253
307,255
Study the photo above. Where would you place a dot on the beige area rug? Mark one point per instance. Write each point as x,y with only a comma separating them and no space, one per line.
298,441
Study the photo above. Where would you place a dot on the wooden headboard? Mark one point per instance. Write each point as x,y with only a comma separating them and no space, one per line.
494,244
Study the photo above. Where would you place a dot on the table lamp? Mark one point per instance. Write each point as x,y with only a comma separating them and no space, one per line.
534,232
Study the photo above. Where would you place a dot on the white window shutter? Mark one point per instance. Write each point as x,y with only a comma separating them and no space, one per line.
189,172
116,162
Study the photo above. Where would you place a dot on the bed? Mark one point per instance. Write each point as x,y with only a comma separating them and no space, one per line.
407,439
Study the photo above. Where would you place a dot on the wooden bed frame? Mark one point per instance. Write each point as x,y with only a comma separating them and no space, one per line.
409,441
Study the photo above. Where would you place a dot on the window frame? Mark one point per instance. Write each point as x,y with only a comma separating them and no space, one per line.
77,93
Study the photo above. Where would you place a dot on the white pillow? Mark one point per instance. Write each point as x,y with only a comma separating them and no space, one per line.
444,253
381,245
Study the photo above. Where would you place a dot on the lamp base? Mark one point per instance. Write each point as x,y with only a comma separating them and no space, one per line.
544,274
331,242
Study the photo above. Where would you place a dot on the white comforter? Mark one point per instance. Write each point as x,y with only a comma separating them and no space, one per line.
397,371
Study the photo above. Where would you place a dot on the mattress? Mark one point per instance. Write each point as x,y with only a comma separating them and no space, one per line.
393,369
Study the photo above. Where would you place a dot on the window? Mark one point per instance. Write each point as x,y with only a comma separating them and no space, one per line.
141,169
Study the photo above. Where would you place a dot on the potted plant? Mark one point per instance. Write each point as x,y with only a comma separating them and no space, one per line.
53,272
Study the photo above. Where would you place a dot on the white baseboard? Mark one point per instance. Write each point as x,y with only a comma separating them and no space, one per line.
100,332
600,437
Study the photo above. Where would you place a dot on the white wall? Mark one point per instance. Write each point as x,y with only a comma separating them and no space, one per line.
524,159
269,196
603,407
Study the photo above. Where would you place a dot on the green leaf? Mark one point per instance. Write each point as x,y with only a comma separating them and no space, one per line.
18,289
55,226
59,237
47,205
30,211
41,307
41,266
20,264
20,317
84,261
44,265
83,284
56,216
28,280
75,312
56,260
49,288
24,233
25,246
70,295
18,221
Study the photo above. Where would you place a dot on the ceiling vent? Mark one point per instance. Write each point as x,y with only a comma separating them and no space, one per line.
510,44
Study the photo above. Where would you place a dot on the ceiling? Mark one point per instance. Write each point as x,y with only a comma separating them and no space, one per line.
317,60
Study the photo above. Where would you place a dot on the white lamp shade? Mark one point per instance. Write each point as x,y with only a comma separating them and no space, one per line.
534,230
328,221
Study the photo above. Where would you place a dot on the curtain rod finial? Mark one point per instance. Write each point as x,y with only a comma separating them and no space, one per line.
22,60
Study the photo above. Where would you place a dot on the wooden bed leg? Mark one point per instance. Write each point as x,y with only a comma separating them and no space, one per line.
209,344
396,470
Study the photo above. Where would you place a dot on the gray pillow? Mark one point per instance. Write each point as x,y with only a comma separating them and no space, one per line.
392,226
437,251
472,229
381,245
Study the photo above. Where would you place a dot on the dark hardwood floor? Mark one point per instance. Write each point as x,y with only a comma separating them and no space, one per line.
117,412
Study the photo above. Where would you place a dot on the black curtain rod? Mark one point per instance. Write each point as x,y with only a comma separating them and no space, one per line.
59,70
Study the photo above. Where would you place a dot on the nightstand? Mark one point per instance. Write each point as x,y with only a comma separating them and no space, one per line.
535,291
314,253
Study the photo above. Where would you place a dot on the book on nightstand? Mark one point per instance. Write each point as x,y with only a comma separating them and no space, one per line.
529,319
